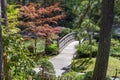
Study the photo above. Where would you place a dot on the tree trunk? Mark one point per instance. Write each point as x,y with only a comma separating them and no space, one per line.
101,65
46,46
1,53
4,12
35,50
90,43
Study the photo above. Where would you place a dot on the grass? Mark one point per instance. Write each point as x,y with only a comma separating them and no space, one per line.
86,64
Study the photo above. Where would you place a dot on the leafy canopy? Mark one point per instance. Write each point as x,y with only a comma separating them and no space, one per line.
40,21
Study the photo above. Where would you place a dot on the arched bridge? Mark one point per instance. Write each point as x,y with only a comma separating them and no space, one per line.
62,61
67,39
67,50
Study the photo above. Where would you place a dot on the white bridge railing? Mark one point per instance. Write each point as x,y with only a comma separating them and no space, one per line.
63,42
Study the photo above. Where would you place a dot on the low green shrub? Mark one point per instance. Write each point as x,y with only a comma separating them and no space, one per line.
71,74
85,49
46,69
79,77
115,48
88,75
47,65
52,49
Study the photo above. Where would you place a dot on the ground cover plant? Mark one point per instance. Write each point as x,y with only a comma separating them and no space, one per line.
86,65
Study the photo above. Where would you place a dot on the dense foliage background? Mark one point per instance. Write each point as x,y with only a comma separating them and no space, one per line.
33,28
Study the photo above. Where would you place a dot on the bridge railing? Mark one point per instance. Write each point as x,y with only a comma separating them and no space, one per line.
63,42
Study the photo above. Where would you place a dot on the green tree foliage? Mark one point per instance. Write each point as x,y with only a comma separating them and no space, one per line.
117,11
13,15
87,9
17,63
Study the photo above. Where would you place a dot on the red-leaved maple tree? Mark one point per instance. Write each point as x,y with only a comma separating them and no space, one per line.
39,21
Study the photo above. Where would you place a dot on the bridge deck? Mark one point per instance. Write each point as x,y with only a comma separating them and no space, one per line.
62,61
